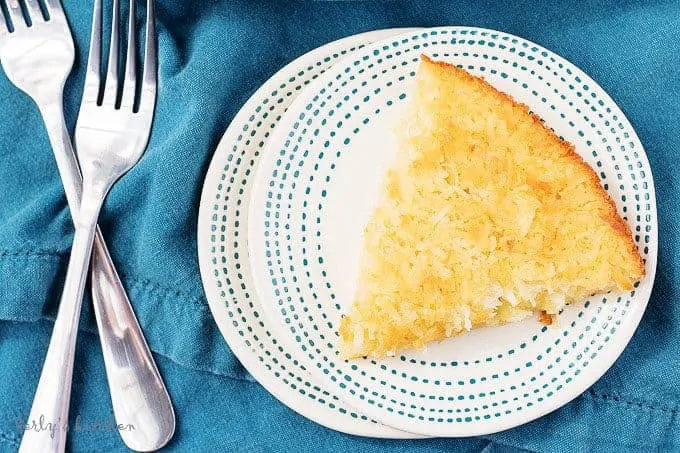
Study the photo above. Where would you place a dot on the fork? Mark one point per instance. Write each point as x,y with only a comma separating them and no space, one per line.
37,59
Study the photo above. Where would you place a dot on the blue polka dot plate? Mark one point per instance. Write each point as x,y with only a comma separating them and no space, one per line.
317,186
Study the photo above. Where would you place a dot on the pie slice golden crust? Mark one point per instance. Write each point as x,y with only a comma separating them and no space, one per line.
486,218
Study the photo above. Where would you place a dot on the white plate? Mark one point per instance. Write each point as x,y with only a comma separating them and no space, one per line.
316,189
223,253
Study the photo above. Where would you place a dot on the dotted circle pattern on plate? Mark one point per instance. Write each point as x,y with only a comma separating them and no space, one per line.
459,387
223,253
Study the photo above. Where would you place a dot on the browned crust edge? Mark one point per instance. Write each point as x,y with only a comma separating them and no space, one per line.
611,216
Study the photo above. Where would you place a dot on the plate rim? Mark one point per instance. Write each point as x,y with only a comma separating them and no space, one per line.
611,354
209,185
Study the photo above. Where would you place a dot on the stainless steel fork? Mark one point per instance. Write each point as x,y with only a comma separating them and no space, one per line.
37,59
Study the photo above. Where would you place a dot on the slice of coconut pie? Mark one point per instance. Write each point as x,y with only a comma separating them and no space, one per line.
486,218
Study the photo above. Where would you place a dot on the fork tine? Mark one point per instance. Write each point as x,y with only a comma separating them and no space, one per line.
15,14
111,84
4,24
53,4
93,77
34,11
54,8
150,76
130,82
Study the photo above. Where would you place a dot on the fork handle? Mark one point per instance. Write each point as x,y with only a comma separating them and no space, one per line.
141,404
138,394
47,423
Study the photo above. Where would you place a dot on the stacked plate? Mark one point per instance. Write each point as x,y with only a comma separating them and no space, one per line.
287,195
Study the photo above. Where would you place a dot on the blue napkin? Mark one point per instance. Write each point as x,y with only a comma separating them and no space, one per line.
213,55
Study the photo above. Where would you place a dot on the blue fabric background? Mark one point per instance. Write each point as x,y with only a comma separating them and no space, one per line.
214,54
